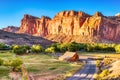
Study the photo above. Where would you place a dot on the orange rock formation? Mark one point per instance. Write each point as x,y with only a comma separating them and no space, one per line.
68,26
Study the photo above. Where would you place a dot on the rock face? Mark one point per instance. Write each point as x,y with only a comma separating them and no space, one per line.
69,26
34,25
12,29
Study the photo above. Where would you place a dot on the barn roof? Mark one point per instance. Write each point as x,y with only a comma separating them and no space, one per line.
67,55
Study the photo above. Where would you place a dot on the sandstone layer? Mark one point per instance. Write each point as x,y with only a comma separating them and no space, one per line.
69,26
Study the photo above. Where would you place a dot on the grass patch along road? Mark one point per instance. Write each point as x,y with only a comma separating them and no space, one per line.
100,54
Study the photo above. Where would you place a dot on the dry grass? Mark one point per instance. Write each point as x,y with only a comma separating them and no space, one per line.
41,64
115,69
98,54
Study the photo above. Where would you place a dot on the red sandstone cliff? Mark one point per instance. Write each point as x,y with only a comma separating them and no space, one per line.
34,25
68,26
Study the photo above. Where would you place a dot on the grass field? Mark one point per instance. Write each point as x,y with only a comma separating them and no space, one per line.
40,64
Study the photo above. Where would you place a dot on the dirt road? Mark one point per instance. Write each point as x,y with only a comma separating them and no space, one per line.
86,73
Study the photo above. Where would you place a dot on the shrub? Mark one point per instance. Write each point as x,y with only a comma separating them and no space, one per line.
26,47
112,49
107,61
90,48
4,46
117,48
104,73
82,46
100,47
97,63
19,49
50,50
7,63
14,64
1,61
36,48
56,46
73,47
63,47
95,76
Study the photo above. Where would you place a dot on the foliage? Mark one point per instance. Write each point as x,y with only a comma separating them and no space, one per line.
104,73
107,61
14,64
20,49
7,63
95,76
50,50
73,47
1,61
100,47
97,63
82,46
4,46
117,48
63,47
56,46
36,48
26,47
90,47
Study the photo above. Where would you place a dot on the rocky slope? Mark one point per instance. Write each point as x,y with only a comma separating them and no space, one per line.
12,29
68,26
22,39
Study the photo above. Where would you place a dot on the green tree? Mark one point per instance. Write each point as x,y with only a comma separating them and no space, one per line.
73,47
63,47
50,50
56,46
13,64
36,48
4,46
20,49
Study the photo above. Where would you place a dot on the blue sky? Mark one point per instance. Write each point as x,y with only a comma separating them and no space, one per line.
12,11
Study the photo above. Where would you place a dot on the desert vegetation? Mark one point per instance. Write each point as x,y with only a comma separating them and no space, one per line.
86,47
38,60
35,61
36,65
107,68
4,46
62,47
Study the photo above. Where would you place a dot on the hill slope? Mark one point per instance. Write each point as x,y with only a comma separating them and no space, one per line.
21,39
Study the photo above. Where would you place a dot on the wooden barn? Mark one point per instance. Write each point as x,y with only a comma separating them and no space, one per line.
69,56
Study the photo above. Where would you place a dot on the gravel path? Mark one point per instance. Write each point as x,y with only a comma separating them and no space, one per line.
86,73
